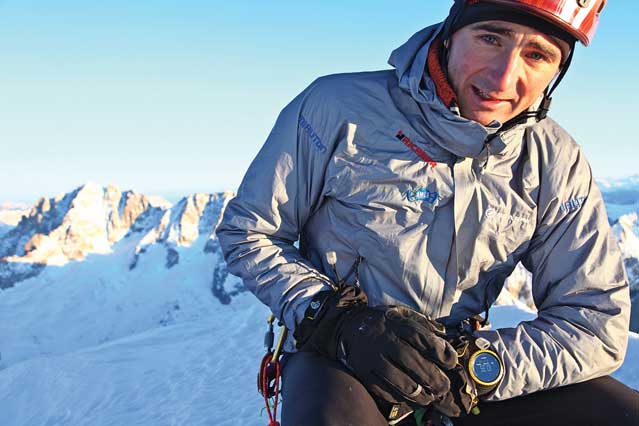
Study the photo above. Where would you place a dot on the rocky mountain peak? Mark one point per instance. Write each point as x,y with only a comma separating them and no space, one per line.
193,217
89,219
93,219
626,230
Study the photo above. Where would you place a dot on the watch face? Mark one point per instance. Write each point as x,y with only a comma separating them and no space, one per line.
486,367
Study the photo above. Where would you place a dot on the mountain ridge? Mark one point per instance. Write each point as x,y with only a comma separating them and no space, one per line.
92,219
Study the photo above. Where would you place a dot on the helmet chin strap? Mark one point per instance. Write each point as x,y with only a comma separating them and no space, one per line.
543,109
541,112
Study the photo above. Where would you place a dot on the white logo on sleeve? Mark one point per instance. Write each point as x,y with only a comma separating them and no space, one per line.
572,204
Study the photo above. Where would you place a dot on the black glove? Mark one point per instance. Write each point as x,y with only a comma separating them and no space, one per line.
462,396
398,354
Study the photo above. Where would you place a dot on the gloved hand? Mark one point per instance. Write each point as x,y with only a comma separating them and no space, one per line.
398,354
462,396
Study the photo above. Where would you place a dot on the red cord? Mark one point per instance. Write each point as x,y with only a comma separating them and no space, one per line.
272,415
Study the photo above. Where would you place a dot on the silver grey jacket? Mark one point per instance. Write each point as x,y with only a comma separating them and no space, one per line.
373,165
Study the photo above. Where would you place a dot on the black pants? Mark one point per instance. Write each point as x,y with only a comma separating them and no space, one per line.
320,392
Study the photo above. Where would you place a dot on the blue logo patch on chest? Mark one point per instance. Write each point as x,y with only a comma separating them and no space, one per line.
422,194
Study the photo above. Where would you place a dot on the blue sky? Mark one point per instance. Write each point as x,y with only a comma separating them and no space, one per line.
172,97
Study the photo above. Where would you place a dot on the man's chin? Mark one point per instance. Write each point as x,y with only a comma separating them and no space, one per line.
486,119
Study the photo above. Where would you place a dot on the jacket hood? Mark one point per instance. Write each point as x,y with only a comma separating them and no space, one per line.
456,134
409,61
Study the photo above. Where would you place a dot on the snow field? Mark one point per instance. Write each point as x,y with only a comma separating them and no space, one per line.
198,372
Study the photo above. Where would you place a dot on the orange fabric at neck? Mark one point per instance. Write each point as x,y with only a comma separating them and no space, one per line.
444,91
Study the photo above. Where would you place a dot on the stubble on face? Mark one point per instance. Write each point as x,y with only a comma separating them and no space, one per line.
499,69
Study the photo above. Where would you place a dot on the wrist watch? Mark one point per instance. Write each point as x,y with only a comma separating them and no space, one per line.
485,367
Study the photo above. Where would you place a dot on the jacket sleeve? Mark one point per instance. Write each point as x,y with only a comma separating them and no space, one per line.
579,287
280,191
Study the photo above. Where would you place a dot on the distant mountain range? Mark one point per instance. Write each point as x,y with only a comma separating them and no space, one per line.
626,184
621,196
92,220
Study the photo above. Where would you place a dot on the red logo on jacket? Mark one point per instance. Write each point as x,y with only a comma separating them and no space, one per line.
417,150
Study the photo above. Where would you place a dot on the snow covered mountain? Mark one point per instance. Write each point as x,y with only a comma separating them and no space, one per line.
133,293
99,251
67,228
10,215
92,220
621,196
626,230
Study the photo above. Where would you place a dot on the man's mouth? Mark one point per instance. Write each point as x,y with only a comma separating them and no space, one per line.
483,95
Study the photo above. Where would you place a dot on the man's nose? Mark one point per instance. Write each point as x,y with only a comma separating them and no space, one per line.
505,72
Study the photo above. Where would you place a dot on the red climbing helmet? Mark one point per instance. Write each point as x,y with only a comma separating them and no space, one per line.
579,18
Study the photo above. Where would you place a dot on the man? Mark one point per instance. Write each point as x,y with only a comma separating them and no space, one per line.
413,194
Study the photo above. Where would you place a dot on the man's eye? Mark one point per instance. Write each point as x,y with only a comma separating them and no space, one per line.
536,56
488,38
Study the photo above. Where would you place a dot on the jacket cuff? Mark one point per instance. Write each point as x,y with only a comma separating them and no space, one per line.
293,310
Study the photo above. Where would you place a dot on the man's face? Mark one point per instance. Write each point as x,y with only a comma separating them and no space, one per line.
499,69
